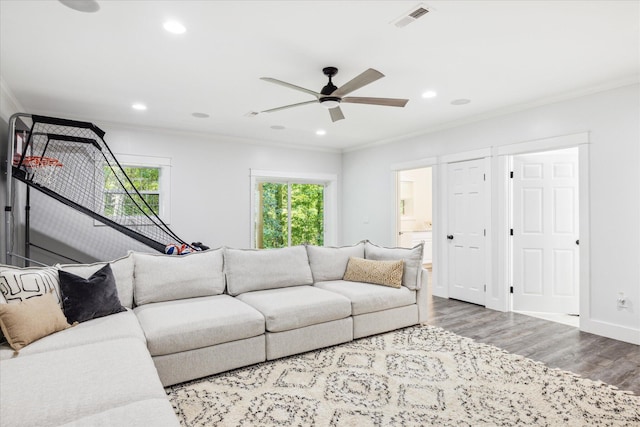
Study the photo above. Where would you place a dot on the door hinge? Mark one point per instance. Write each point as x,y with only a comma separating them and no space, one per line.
511,232
485,234
511,174
511,290
484,176
485,288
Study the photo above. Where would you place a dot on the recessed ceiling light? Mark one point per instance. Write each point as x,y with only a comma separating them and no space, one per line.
277,127
460,101
139,106
321,132
88,6
200,115
174,27
430,94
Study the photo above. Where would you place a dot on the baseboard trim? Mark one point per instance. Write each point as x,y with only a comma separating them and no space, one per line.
610,330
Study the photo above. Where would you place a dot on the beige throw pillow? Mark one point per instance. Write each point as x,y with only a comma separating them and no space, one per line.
386,273
412,261
27,321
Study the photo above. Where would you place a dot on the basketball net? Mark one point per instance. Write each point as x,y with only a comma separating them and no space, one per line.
41,169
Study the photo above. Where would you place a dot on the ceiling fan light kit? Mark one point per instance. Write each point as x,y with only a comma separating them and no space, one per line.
331,96
330,102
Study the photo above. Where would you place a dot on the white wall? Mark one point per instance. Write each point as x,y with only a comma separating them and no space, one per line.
210,179
8,106
613,119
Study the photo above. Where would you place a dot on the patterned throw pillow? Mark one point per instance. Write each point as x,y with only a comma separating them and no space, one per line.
20,284
386,273
412,261
27,321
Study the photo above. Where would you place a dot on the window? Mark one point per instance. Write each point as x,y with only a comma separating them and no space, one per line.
150,176
292,209
145,179
289,214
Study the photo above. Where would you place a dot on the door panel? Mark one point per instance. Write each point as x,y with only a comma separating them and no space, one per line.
563,266
533,271
545,229
466,223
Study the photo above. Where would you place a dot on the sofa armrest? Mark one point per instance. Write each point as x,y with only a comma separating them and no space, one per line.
422,296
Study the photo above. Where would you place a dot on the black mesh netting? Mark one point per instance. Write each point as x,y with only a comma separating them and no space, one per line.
69,160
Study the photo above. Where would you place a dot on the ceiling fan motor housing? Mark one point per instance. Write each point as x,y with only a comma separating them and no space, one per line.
330,87
329,101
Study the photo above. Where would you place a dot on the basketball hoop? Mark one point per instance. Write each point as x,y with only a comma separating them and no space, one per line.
41,169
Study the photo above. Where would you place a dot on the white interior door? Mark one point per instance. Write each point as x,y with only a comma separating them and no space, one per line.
466,230
545,232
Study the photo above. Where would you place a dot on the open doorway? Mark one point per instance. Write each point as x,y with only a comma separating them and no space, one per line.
415,211
544,202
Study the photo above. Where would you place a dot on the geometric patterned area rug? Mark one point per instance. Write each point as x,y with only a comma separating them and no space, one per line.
418,376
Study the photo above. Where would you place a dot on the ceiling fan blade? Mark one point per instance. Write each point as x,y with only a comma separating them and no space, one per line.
289,85
388,102
357,82
336,114
289,106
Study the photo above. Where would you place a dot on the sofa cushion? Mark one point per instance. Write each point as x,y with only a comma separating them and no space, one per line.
412,261
122,269
60,386
27,321
143,413
259,269
166,278
116,326
330,263
187,324
19,284
368,298
86,299
385,273
291,308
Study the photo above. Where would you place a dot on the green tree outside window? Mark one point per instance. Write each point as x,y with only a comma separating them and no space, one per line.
116,201
286,206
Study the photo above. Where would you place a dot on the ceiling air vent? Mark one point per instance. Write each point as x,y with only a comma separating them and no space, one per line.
411,16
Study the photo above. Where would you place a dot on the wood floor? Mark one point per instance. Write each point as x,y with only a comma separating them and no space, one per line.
556,345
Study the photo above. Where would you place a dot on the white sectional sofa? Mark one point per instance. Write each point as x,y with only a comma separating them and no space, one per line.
192,316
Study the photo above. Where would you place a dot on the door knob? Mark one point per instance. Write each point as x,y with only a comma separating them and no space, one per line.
577,242
450,236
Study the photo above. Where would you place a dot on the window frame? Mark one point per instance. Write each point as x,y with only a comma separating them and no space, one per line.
330,209
163,164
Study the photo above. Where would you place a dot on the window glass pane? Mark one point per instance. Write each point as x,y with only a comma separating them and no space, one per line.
144,179
307,214
118,203
272,219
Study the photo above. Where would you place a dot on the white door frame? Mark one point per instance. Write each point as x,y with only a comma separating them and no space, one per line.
500,299
441,279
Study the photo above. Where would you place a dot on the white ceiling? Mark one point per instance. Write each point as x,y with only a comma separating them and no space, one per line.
502,55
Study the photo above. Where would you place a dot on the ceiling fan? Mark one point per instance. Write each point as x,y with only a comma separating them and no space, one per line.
331,96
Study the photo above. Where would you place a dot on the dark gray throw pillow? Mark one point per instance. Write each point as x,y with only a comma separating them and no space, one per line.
86,299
